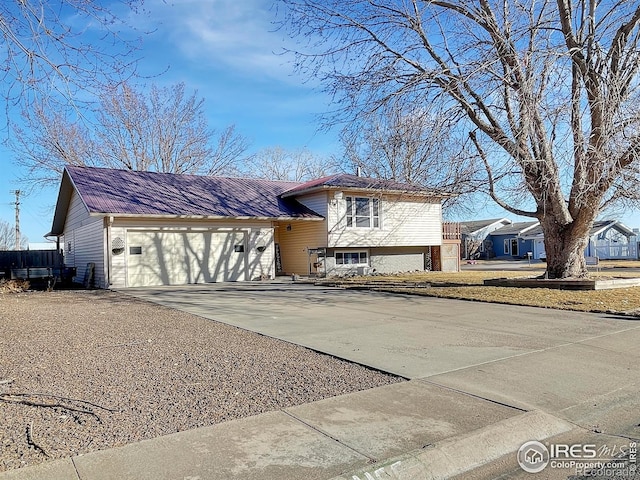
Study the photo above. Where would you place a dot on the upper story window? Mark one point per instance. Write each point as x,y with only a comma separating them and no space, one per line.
363,212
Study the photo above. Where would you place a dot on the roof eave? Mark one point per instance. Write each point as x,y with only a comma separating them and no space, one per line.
296,193
207,217
621,227
320,188
62,204
502,220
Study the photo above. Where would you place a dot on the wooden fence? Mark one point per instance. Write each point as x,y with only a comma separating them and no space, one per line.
11,259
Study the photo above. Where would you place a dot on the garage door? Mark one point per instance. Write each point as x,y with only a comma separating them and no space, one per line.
178,258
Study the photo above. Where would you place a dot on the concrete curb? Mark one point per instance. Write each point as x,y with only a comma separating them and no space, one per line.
61,469
464,453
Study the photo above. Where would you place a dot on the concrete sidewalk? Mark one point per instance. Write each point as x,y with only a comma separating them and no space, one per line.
486,378
350,433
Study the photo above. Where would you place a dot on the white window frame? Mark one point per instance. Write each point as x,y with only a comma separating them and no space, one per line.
359,253
507,246
374,206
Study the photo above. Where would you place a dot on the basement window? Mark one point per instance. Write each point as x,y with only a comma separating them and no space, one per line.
352,258
135,250
238,248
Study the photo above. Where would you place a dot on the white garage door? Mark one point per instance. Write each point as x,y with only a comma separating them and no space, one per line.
178,258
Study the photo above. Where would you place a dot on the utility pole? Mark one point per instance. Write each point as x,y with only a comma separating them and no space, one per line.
17,204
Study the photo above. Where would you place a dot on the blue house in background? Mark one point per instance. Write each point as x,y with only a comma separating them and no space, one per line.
515,240
608,240
475,237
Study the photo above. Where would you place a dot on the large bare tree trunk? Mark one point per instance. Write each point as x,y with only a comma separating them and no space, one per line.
565,247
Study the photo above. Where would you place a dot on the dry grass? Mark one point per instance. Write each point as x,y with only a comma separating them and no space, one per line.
619,300
459,278
620,263
468,285
13,286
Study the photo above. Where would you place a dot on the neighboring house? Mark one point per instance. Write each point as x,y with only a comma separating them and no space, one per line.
610,239
474,242
125,228
514,240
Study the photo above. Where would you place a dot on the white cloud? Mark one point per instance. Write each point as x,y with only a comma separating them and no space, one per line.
238,34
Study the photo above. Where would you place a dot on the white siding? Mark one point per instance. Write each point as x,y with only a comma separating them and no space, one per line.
318,202
78,215
88,247
84,234
404,222
118,260
67,241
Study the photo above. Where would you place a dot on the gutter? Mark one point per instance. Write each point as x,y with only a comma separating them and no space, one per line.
318,218
416,193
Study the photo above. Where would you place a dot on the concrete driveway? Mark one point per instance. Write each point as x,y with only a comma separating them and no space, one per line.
486,379
581,367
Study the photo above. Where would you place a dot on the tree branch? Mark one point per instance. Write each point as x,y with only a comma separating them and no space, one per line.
492,185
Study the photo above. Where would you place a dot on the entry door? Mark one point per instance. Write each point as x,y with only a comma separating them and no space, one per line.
514,247
177,258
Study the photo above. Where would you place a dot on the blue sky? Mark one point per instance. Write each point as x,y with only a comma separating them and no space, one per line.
224,49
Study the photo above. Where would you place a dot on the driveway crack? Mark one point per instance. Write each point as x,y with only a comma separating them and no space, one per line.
473,395
328,435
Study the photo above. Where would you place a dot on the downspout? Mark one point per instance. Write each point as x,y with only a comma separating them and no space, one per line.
109,223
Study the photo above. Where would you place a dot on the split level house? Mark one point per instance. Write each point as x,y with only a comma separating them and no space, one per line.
123,228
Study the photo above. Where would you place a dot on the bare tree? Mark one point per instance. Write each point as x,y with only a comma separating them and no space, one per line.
411,145
8,237
546,91
164,131
277,163
48,143
54,49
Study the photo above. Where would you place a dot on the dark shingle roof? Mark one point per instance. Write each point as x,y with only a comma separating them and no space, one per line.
343,180
129,192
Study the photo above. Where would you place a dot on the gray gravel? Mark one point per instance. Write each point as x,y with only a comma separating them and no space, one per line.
116,370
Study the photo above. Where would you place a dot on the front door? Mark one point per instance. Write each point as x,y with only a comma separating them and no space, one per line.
514,247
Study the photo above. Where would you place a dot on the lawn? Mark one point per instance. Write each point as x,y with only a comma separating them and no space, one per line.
468,285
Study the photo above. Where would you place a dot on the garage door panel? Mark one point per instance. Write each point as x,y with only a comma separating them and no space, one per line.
148,260
175,258
226,264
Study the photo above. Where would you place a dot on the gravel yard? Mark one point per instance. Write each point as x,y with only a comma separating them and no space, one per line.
83,371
